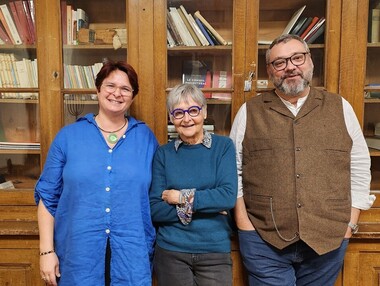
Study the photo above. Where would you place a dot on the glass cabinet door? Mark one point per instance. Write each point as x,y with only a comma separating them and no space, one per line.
200,50
307,19
371,122
19,96
92,33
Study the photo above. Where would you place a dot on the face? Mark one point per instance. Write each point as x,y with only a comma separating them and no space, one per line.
190,128
294,79
115,96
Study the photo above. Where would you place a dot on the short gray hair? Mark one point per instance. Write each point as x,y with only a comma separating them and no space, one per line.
183,93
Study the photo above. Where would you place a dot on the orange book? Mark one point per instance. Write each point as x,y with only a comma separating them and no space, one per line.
311,25
6,27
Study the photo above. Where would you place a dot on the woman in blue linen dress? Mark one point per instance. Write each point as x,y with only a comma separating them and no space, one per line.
93,205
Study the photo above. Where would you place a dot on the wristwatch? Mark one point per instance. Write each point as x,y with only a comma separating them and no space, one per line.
354,227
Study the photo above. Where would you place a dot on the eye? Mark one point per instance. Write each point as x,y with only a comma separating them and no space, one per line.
298,58
178,113
279,63
193,111
126,90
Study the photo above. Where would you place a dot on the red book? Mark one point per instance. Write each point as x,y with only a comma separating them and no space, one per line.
29,19
24,29
222,79
64,21
16,20
207,84
311,25
4,36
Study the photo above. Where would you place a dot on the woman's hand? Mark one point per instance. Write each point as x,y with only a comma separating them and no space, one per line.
49,269
171,197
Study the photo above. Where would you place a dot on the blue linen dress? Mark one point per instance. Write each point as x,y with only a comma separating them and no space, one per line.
95,193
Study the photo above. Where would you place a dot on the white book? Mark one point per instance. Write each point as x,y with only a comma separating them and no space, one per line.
181,27
198,31
12,27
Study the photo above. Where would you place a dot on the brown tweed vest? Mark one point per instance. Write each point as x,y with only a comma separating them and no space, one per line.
296,171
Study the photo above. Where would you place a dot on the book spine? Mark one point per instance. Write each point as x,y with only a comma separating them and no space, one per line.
29,19
184,15
12,27
23,22
4,36
16,20
204,32
198,15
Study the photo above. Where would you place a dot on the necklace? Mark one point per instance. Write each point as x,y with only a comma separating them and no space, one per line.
112,137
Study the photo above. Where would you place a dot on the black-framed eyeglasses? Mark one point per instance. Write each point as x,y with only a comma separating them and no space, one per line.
124,90
179,113
297,59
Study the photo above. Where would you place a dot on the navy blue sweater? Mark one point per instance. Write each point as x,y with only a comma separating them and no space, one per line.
212,172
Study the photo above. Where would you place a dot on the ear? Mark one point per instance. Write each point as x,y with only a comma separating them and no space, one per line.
204,113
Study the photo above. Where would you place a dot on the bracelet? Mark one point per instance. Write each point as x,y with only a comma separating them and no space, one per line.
47,252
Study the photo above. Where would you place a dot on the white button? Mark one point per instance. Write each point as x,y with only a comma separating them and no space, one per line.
107,230
108,210
108,189
109,168
124,136
110,151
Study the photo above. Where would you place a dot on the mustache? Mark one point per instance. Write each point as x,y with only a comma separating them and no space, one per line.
291,74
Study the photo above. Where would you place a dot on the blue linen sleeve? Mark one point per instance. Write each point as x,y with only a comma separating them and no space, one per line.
49,185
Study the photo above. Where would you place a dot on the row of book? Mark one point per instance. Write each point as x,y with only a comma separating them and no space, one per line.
374,25
17,23
18,73
309,28
198,73
73,19
185,29
77,76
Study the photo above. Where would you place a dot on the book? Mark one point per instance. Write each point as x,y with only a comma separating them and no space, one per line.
16,20
293,20
11,24
64,21
82,19
29,39
204,32
269,30
4,36
317,25
196,72
298,25
172,27
181,27
30,20
198,15
304,26
198,31
374,25
69,24
308,28
221,79
316,33
184,15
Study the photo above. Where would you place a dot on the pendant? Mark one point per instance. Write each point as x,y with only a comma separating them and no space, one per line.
112,138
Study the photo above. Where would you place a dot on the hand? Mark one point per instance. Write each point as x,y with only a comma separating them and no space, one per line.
49,269
348,233
171,196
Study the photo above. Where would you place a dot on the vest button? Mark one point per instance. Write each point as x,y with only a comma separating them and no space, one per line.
298,176
298,148
299,205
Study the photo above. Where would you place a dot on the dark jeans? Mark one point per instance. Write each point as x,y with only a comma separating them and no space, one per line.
189,269
296,264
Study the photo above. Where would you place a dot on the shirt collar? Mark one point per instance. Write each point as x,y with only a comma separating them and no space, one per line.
207,140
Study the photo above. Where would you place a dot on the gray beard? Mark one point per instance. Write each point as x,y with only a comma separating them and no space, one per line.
294,89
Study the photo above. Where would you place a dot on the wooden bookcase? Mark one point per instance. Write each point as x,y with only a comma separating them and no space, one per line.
344,62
